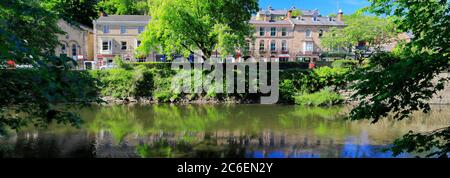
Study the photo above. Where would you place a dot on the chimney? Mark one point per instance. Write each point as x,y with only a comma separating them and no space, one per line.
289,15
103,13
340,16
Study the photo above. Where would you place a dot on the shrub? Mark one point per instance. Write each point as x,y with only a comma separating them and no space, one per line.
115,82
321,98
345,63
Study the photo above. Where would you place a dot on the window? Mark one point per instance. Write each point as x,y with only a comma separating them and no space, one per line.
273,46
140,29
124,45
261,45
106,29
308,33
284,46
262,31
106,45
123,29
309,47
63,48
273,31
320,33
284,32
74,50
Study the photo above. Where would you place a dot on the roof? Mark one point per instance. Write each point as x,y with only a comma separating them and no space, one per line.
320,21
123,18
285,12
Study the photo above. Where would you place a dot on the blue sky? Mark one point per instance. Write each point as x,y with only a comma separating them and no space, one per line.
325,6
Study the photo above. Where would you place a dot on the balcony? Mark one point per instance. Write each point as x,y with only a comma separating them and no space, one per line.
285,51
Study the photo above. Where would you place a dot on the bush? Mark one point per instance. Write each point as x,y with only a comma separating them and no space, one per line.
115,82
321,98
345,63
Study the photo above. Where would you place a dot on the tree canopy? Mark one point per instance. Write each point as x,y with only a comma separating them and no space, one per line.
398,83
32,96
373,31
81,11
189,26
124,7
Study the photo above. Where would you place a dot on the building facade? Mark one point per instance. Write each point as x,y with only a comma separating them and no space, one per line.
281,36
77,43
118,35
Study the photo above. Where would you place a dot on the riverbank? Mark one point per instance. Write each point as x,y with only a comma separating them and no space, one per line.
152,83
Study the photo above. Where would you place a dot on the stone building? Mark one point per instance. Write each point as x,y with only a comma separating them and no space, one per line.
117,35
77,43
281,36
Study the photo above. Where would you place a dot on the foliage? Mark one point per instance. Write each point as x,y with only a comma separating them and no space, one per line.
287,90
188,26
371,30
121,63
115,82
402,82
124,83
124,7
81,11
349,64
32,96
321,98
20,21
297,13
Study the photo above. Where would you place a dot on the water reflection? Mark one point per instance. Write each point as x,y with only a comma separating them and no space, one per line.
256,131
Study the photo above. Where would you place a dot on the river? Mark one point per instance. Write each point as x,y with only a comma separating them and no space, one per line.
218,131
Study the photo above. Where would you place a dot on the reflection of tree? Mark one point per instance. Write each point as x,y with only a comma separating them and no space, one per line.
208,147
120,121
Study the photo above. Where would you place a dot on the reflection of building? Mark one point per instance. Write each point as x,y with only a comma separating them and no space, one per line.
77,43
117,35
282,36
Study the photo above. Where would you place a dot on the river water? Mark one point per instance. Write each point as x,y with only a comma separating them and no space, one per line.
219,131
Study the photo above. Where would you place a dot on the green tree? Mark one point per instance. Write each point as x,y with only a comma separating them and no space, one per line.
124,7
399,83
81,11
32,96
188,26
371,30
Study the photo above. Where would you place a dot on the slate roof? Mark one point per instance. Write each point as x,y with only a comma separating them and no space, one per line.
320,21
